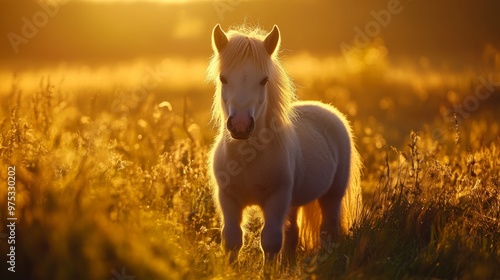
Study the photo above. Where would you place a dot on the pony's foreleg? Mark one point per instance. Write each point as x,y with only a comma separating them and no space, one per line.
232,235
275,212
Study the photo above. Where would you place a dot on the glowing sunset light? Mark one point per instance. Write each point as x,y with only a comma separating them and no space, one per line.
158,1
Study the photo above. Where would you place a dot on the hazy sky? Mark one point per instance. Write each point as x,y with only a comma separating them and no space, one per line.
101,31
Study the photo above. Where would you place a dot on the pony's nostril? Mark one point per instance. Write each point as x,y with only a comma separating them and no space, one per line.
252,125
230,124
240,128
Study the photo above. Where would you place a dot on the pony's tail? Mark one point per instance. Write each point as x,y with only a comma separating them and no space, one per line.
352,202
309,220
309,216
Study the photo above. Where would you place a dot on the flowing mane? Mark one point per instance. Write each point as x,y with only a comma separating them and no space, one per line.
245,44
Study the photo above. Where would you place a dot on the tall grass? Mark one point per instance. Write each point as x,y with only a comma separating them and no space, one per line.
433,215
101,193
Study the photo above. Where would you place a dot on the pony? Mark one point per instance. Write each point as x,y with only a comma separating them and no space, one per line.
296,160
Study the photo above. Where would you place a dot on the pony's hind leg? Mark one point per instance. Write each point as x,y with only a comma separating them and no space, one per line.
291,236
291,232
232,234
331,205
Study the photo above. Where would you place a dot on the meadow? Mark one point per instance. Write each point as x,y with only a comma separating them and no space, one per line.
112,183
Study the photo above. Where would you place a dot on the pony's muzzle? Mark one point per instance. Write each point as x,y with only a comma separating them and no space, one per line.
240,128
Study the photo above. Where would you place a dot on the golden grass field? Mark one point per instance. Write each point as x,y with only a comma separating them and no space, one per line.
112,184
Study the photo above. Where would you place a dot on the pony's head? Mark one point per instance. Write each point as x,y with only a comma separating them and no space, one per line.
250,82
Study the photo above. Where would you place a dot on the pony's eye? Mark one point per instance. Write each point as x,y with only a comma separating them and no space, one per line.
264,81
222,80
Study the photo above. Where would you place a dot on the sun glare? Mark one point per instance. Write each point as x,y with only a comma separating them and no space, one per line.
158,1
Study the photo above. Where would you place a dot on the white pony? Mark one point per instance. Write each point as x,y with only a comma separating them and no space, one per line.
296,160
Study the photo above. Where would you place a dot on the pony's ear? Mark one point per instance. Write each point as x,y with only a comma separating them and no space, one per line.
219,39
272,40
